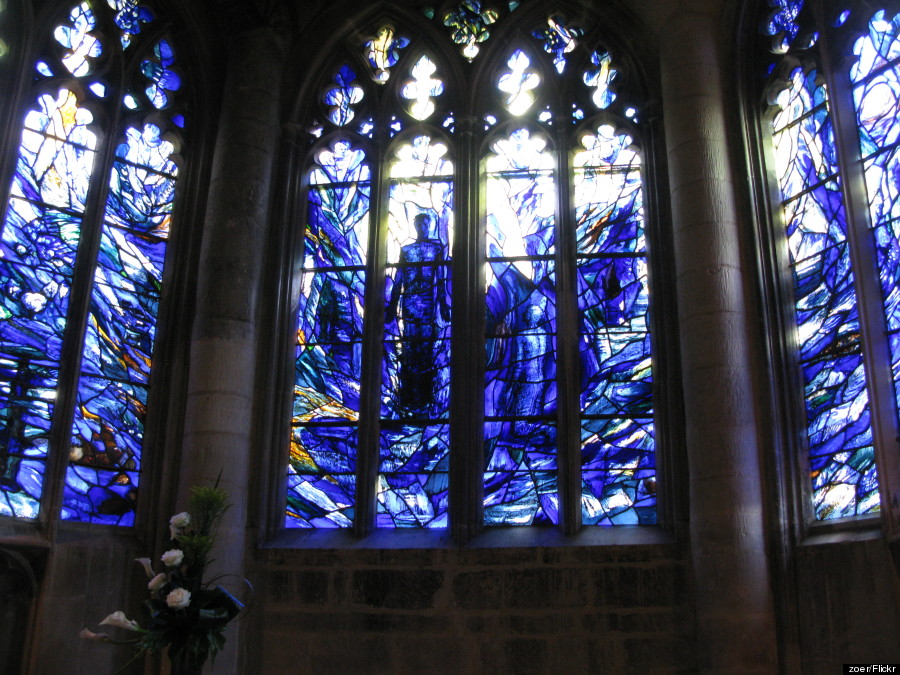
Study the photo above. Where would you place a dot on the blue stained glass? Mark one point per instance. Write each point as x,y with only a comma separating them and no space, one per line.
514,288
383,53
520,349
845,484
41,232
617,444
524,444
105,452
328,361
416,363
837,408
519,83
331,306
521,200
33,305
612,292
340,163
422,88
130,15
162,78
131,263
599,78
521,498
521,371
815,221
618,448
27,393
56,155
827,316
877,101
119,336
78,40
783,20
616,374
36,236
118,342
887,239
837,404
413,476
146,148
99,496
469,26
894,340
343,97
806,151
877,96
878,48
558,39
327,381
337,230
416,377
619,472
608,195
882,172
321,476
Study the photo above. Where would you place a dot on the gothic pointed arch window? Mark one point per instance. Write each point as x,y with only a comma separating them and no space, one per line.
86,221
472,340
828,133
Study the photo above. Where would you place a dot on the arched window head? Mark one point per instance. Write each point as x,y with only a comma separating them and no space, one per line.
833,92
474,338
84,238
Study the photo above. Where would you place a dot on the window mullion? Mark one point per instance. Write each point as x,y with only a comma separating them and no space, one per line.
370,381
569,398
467,365
863,256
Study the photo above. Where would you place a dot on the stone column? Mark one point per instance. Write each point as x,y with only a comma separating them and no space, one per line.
220,398
735,617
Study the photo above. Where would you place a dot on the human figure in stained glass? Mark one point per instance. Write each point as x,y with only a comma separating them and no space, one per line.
528,377
11,430
419,292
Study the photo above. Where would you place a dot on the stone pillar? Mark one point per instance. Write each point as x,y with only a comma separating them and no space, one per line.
220,398
735,617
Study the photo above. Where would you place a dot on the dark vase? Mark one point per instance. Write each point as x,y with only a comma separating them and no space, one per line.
187,662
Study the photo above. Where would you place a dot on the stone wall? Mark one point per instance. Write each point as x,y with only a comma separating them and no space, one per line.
474,610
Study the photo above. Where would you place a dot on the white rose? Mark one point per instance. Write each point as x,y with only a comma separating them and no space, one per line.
156,582
178,522
179,598
119,620
173,557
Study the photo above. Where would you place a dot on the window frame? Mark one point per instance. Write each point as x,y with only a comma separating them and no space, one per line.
791,491
619,35
168,376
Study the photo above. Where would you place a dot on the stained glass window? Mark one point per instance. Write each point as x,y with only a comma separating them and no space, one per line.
469,244
81,262
850,400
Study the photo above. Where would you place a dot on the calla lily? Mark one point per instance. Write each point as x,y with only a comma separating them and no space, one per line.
157,582
146,563
119,620
86,634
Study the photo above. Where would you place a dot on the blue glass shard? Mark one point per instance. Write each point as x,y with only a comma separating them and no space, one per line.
413,476
321,476
99,496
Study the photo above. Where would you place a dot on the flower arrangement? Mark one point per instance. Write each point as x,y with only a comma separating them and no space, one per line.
187,615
